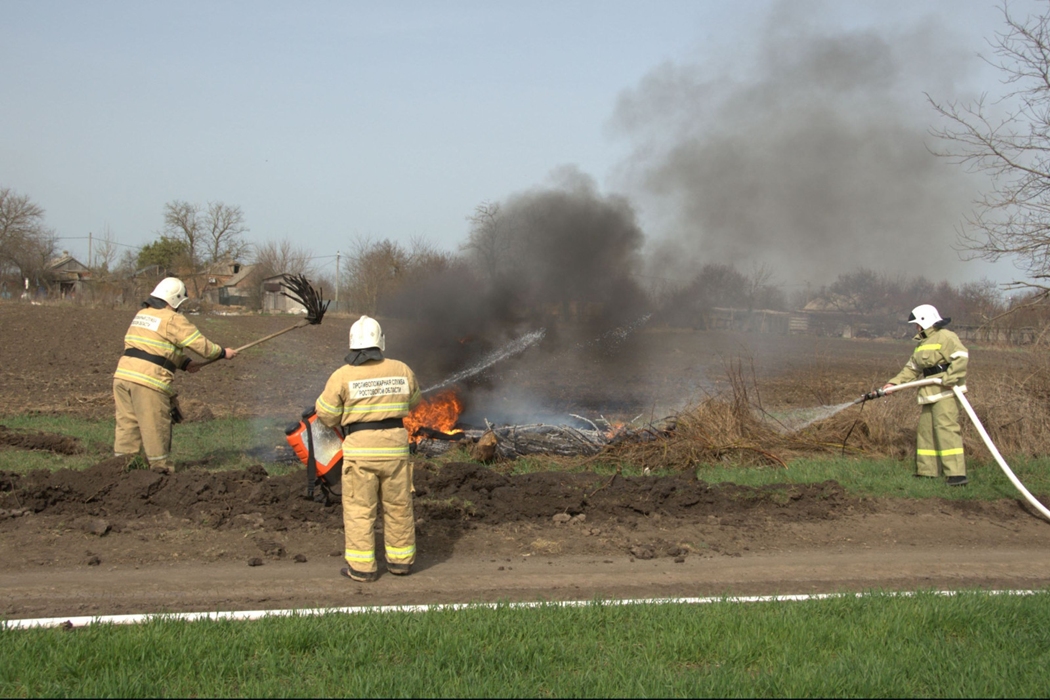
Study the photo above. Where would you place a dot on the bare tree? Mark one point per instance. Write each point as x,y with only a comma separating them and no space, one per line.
424,258
377,270
225,233
181,223
1009,140
762,290
104,252
211,235
278,257
373,268
26,244
488,244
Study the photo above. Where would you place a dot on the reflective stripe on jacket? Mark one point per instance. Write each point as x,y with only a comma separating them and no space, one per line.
936,347
164,333
373,391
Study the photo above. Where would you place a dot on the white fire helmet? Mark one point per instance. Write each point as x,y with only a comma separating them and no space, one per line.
171,290
925,315
366,333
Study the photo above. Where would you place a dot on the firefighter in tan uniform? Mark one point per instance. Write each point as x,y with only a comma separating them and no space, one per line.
940,354
368,397
153,350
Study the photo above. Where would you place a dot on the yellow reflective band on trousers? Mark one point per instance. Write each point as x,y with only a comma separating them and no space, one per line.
361,555
380,452
938,440
366,484
400,552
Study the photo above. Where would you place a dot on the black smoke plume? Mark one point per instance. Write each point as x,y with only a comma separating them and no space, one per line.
562,257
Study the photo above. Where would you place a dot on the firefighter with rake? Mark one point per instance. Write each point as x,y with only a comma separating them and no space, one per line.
368,398
146,406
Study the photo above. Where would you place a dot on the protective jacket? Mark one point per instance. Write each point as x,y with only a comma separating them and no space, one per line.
153,348
938,353
377,390
368,398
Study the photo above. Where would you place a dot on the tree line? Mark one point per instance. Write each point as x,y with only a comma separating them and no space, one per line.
385,277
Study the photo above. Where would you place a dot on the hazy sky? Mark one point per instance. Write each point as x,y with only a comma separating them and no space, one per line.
329,120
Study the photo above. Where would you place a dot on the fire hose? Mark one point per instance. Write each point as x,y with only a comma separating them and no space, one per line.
977,424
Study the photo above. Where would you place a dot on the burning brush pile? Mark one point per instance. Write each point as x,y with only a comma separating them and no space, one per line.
729,427
434,429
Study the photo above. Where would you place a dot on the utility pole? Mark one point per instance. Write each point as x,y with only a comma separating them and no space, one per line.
90,249
337,258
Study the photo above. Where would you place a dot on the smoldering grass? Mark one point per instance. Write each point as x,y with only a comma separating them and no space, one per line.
969,644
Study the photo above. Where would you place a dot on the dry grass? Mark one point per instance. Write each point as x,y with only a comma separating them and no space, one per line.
1012,401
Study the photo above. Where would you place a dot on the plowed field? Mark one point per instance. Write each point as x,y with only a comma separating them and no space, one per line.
109,541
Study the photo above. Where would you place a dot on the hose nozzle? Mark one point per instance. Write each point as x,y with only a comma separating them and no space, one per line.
877,394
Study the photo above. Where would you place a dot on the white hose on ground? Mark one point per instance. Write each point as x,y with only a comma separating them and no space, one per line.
984,436
998,457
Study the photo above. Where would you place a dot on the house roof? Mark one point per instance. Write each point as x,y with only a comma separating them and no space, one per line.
241,275
68,262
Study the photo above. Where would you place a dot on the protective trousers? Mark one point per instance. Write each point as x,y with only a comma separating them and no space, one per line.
364,484
143,422
939,440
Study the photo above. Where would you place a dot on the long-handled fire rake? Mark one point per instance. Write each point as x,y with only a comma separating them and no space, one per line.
976,423
298,289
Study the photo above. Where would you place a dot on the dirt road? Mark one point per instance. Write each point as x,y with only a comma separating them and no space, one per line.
146,543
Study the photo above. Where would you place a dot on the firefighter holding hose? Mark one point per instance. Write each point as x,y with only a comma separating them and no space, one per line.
153,350
368,397
938,354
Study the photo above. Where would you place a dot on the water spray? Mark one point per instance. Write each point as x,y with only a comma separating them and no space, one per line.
509,350
977,424
618,334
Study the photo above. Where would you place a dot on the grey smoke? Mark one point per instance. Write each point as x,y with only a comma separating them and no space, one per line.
815,164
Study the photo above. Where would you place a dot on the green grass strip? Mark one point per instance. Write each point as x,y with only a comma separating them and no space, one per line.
971,644
235,443
224,443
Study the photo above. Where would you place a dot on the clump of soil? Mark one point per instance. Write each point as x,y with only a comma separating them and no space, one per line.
465,490
35,440
462,493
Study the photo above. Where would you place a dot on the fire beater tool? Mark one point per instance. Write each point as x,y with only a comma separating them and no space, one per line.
976,423
298,289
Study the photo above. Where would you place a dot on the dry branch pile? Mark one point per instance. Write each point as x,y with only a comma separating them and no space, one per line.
733,427
513,441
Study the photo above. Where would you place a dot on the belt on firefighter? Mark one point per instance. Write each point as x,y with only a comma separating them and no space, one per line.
936,369
150,357
373,425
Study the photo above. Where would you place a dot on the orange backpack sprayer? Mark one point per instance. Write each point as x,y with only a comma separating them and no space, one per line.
320,448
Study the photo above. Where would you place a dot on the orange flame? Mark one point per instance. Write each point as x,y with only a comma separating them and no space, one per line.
438,413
